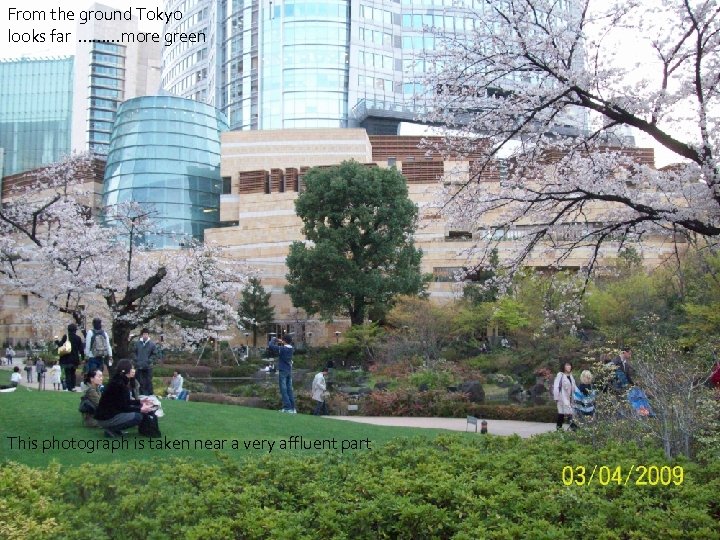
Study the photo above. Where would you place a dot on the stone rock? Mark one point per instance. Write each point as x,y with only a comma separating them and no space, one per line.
475,391
539,394
516,393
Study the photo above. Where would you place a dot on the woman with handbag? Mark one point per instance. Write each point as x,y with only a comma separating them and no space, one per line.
71,352
91,398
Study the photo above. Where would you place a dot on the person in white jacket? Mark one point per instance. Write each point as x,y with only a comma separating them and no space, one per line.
563,390
319,391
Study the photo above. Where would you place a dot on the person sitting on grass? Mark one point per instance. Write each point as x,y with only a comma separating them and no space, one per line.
116,410
93,380
14,380
176,386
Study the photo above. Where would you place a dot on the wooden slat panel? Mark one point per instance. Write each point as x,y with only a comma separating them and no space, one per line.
252,181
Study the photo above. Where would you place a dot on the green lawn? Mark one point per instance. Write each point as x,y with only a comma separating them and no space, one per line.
30,420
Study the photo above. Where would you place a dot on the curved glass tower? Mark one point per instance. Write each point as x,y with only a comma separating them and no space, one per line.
165,154
279,64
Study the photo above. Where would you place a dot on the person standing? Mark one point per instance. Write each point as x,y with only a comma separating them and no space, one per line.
145,356
563,391
28,370
624,370
319,391
97,347
55,375
40,373
9,354
70,362
284,349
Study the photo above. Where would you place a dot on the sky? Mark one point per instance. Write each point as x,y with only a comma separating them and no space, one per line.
9,49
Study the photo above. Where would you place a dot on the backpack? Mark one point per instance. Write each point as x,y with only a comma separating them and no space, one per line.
149,426
98,347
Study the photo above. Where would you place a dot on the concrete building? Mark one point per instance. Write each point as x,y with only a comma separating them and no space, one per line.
263,172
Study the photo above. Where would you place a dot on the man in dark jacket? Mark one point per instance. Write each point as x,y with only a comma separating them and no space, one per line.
145,355
284,349
70,362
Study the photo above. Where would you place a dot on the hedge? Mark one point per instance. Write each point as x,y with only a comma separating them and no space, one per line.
455,486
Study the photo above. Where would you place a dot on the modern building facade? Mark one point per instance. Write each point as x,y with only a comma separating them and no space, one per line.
52,106
35,111
106,74
310,64
164,154
263,173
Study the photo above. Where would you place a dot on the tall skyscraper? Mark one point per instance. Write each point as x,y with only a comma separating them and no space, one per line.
273,64
107,74
35,111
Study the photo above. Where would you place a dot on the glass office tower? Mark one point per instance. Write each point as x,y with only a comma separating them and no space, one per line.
35,111
272,64
165,154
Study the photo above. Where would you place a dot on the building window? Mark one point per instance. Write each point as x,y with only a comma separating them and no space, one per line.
226,187
24,301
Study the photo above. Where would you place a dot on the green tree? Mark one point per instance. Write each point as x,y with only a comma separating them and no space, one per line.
359,221
255,310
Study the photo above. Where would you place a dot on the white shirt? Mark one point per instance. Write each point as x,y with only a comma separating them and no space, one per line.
319,387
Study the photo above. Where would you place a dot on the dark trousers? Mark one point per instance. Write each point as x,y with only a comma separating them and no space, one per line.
70,380
321,408
144,379
121,421
561,420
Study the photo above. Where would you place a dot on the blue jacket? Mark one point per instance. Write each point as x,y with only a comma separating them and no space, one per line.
285,354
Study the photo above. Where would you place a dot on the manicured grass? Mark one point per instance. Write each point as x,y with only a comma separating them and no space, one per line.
36,418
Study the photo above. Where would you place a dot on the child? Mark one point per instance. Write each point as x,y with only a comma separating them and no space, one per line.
55,373
15,377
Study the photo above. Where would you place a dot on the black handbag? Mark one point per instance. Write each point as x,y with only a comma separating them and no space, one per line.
149,426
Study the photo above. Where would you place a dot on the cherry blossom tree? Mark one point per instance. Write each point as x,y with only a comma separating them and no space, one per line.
536,97
53,248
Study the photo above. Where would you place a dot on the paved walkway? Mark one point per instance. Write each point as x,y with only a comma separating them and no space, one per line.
495,427
6,370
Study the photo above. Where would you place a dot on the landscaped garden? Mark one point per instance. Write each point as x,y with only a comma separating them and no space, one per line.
411,483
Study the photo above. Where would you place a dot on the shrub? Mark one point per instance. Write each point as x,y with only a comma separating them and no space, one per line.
408,402
187,370
453,486
433,379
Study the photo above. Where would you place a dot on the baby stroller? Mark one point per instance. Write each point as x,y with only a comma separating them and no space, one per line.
639,403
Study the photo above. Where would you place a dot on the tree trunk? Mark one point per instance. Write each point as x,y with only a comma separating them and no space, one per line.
121,339
357,312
